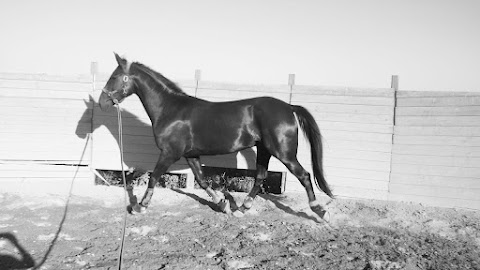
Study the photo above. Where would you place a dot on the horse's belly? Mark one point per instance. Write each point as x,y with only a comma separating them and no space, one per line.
225,130
218,142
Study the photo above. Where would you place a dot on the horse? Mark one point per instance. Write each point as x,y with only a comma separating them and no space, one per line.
190,127
137,127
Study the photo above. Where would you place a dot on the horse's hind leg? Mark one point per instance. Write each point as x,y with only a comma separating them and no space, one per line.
304,177
263,158
196,167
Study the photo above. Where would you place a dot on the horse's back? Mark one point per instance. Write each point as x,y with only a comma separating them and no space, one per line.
264,105
266,111
222,127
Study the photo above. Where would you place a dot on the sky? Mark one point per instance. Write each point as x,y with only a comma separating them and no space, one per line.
430,44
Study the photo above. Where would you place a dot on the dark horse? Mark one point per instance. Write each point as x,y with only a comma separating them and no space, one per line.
185,126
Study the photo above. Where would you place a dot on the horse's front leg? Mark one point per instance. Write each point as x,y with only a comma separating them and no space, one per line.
162,166
134,206
195,165
142,206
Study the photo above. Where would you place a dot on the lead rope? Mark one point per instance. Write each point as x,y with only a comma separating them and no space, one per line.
65,211
120,142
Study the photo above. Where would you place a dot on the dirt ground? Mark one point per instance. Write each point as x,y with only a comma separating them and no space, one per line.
181,230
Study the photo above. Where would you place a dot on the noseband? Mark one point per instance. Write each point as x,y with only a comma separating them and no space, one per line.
124,90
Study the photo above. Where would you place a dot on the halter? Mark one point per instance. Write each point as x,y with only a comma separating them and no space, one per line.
124,90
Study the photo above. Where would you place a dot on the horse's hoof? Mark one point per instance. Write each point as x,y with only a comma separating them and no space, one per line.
224,206
247,203
243,209
238,214
322,213
326,217
137,208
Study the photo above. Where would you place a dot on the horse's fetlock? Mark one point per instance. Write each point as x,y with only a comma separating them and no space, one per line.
224,206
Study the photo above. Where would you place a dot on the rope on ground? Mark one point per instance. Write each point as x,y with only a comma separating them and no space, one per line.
64,217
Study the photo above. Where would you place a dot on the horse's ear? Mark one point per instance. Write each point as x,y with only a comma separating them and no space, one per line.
121,62
90,101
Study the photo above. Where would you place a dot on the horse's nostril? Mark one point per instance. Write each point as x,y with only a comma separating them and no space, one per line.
109,94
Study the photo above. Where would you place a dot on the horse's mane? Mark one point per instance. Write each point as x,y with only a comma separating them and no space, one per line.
168,85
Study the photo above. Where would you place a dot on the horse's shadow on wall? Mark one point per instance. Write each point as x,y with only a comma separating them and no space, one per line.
95,117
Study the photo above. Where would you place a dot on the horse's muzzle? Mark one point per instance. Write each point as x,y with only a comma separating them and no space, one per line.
105,102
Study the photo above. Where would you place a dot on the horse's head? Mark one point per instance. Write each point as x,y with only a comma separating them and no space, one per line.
119,86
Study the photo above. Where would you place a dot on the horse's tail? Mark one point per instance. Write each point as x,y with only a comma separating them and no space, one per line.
312,133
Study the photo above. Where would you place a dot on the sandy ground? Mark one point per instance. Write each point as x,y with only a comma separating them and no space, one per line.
183,230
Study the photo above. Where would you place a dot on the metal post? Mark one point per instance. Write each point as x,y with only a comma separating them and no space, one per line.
291,83
93,72
394,86
198,75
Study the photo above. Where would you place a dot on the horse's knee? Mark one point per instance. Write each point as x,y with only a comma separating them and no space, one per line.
262,174
152,182
202,183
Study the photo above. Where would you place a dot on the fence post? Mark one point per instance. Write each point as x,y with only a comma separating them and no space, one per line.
198,77
394,86
291,83
93,72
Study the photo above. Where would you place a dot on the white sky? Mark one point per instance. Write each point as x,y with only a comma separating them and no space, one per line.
430,44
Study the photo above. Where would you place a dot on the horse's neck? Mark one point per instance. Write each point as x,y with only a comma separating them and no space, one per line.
153,96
